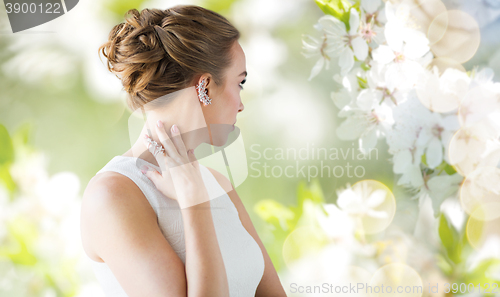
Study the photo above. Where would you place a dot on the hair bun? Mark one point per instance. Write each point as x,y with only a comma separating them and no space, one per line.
158,33
156,52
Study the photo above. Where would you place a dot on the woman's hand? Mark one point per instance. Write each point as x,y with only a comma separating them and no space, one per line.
180,176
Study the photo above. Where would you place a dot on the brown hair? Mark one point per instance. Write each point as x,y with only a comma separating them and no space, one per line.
157,52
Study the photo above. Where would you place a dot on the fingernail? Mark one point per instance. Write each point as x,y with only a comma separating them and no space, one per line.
144,169
174,129
159,124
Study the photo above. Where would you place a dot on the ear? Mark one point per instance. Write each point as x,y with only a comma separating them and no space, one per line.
207,77
208,82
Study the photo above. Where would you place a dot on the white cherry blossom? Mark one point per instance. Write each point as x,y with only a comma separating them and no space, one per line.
407,163
436,135
353,44
439,188
323,47
370,6
409,117
407,49
344,44
442,93
480,103
366,119
475,146
330,224
371,29
349,90
355,204
389,95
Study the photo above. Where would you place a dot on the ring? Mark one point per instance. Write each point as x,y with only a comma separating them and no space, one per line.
158,147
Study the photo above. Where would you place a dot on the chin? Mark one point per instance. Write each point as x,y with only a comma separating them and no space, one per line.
220,133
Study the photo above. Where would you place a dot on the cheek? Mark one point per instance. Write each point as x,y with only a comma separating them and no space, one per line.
235,99
227,106
232,101
236,102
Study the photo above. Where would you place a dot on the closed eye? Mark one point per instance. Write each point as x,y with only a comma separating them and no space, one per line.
241,83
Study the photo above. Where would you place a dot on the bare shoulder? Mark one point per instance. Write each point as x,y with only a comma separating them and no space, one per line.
108,188
120,228
107,181
109,196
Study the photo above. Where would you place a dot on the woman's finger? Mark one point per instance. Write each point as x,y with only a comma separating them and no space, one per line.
151,174
170,148
178,142
160,156
192,158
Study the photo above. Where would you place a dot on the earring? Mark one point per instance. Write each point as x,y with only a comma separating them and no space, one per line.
202,93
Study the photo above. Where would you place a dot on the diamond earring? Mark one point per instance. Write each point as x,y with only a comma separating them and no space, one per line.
202,93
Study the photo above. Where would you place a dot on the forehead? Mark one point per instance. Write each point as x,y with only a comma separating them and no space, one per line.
238,63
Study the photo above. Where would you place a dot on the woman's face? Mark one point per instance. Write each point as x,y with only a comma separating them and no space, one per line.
220,116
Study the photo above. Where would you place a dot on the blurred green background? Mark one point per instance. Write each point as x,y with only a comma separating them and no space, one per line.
59,102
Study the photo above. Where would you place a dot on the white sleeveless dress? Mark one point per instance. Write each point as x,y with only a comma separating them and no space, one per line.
241,254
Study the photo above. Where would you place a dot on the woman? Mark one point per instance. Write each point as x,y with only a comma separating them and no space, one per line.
176,228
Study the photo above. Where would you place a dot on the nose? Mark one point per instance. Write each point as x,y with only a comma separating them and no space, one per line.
241,107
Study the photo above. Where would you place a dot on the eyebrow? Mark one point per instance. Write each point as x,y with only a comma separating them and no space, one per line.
243,73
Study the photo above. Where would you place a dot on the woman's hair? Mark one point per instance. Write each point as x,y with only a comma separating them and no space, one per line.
157,52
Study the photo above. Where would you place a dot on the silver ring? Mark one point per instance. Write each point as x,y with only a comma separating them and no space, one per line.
158,147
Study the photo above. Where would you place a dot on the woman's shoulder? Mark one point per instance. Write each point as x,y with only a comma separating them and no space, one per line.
111,187
106,181
110,198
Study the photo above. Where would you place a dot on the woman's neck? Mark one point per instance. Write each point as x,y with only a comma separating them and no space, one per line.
182,109
191,139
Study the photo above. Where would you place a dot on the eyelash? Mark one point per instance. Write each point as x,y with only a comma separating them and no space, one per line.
241,83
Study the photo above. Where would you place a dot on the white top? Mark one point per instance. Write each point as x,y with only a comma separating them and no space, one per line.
241,254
